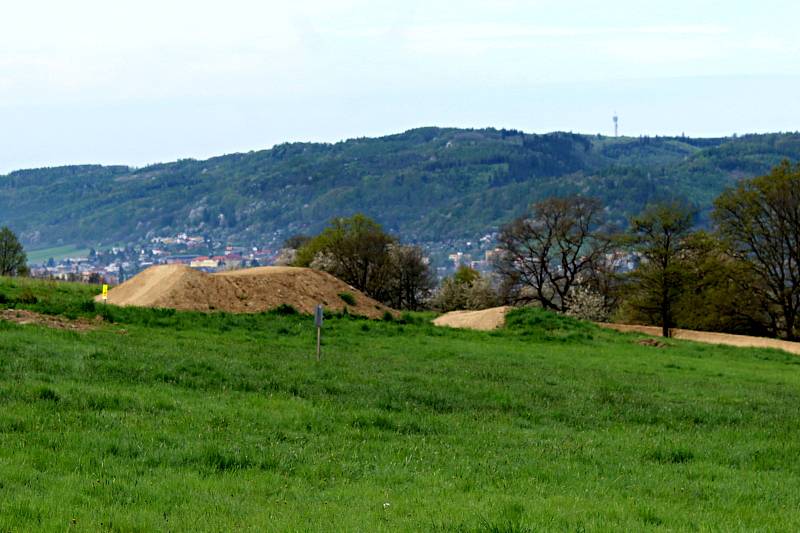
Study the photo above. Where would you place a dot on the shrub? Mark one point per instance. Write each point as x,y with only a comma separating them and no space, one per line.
347,298
458,293
285,309
586,304
27,297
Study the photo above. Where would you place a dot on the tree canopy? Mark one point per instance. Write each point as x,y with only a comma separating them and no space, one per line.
545,254
760,220
357,250
13,261
659,235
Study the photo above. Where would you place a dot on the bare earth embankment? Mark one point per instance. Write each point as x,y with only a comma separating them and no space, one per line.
251,290
711,338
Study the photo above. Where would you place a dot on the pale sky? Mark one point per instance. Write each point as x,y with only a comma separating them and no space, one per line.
137,82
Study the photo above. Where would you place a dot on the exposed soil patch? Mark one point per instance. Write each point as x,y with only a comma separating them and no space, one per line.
22,316
655,343
485,320
251,290
711,338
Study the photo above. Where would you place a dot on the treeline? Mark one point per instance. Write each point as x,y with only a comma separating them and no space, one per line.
743,276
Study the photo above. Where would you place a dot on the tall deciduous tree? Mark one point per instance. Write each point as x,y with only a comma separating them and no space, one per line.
358,251
760,219
13,261
659,235
544,255
355,249
410,279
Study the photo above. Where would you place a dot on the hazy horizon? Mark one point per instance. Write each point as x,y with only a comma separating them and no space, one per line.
142,83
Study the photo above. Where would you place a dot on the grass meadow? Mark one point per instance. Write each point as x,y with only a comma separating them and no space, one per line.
59,252
167,421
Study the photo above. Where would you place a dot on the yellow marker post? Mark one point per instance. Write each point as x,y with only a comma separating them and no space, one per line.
105,293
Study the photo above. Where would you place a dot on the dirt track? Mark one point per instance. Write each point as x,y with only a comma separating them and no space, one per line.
23,316
711,338
485,320
249,290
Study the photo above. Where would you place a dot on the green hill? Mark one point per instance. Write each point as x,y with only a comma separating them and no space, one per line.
158,420
428,184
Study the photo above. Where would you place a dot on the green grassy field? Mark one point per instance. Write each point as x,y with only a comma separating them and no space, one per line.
60,252
165,421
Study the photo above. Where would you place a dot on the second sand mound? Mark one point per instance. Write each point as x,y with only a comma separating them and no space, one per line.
242,291
485,320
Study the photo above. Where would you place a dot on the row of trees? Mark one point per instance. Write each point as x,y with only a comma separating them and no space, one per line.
742,277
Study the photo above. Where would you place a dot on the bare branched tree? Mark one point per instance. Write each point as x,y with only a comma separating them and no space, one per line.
543,256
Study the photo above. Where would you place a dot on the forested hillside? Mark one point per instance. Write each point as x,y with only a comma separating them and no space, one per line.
425,184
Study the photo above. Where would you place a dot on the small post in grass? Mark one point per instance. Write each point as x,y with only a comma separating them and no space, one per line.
105,293
318,323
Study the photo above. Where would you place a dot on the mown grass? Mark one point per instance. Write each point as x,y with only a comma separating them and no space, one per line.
59,252
161,420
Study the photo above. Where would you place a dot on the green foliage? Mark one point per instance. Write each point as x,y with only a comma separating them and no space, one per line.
285,309
760,221
13,261
466,289
466,275
358,251
354,249
660,234
347,298
716,290
424,184
218,422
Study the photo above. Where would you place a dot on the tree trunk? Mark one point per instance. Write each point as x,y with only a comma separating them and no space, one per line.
665,311
789,316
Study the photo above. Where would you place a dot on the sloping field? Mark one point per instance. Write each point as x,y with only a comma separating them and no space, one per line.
711,338
484,320
242,291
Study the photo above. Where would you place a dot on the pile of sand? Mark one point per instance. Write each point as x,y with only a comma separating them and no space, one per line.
484,320
241,291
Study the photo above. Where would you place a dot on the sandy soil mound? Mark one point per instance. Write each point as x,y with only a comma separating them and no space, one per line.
712,338
484,320
240,291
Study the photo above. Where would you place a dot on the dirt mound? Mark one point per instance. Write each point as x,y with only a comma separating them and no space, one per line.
241,291
22,316
708,337
484,320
